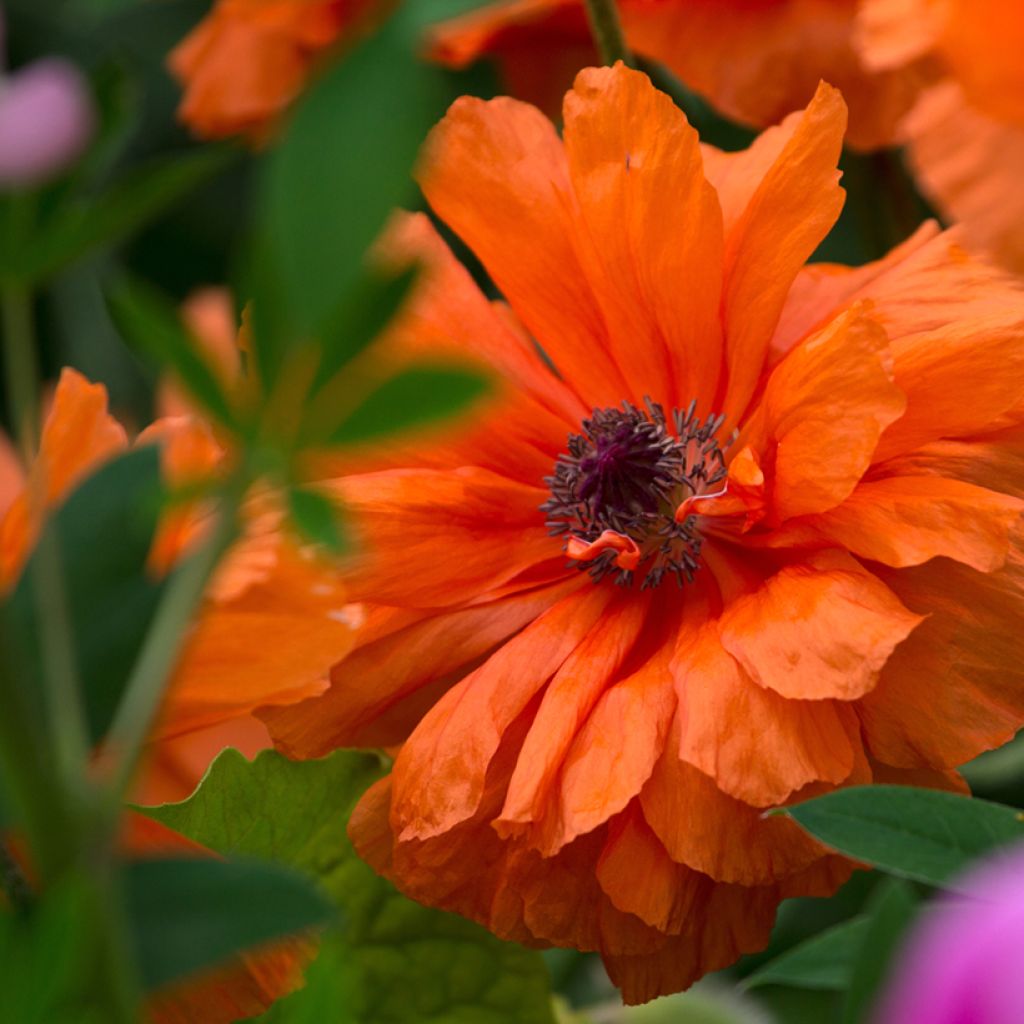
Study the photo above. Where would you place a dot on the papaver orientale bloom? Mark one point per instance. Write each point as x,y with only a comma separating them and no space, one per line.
961,962
248,59
965,136
754,60
732,532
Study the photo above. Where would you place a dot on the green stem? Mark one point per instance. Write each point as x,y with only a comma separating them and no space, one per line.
20,365
12,878
144,692
607,31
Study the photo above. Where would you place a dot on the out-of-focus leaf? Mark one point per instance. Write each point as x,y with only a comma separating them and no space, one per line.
113,215
296,813
195,912
328,995
150,323
104,531
411,398
341,169
892,908
705,1004
922,834
317,517
823,961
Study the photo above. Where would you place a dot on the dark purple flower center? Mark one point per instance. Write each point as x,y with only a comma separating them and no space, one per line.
627,472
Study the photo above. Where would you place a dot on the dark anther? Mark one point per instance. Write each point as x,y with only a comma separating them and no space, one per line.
627,472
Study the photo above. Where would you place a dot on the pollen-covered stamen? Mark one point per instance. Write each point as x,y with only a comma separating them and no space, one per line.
614,492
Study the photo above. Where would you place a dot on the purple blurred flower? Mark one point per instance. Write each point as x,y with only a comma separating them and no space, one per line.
46,120
964,961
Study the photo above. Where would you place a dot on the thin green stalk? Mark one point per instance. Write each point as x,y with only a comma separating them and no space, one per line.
20,365
144,692
12,879
606,29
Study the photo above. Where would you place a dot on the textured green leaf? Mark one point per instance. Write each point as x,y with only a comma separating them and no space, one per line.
341,169
823,961
410,399
922,834
889,913
410,965
104,531
195,912
150,323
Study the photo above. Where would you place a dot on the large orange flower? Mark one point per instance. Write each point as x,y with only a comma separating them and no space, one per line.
965,136
248,59
734,531
755,60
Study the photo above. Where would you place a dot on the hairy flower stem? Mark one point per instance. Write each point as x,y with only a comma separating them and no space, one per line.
606,29
163,643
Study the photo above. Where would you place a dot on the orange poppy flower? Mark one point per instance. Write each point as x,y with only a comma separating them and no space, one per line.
965,136
754,60
248,59
735,531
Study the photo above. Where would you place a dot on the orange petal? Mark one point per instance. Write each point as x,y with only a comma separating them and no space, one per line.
439,775
891,33
781,196
757,746
627,557
497,173
955,688
650,221
907,520
412,523
408,668
565,707
12,476
824,408
743,493
817,630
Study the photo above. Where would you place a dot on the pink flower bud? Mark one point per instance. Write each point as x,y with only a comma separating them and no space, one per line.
46,120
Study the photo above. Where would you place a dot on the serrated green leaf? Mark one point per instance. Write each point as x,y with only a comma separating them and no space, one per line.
921,834
317,517
104,532
412,398
888,915
191,913
150,323
412,965
343,166
122,209
823,961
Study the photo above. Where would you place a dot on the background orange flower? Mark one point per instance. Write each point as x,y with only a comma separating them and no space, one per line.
587,764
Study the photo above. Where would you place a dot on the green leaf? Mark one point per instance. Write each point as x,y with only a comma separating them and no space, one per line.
317,517
328,995
922,834
104,531
890,911
296,813
342,168
823,961
150,323
195,912
122,209
410,399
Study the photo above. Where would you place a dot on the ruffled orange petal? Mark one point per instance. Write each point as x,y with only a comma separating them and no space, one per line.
780,196
756,745
649,222
12,476
824,409
413,524
439,775
817,630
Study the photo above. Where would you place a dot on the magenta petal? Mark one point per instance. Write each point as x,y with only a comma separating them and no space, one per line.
46,120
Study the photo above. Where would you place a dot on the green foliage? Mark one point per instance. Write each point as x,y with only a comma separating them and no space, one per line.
192,913
409,965
925,835
151,324
821,962
317,518
104,532
411,398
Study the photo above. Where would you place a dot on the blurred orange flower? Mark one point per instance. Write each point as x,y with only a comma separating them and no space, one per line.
248,59
794,493
965,136
754,60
